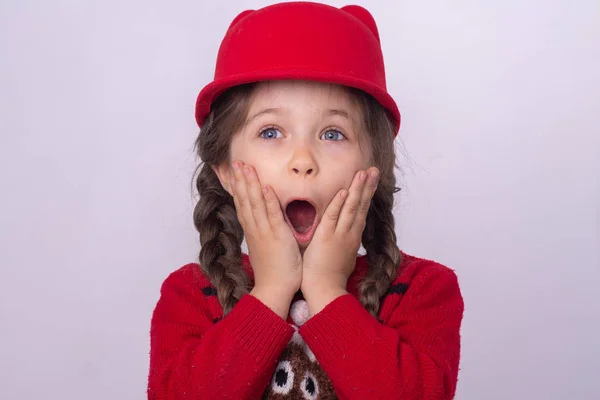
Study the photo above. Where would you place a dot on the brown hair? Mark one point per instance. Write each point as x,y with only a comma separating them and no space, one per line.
221,234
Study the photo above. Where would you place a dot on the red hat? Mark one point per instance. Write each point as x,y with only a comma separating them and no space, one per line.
301,40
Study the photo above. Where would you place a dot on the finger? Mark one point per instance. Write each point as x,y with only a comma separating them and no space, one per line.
332,212
350,208
274,213
256,199
241,194
365,201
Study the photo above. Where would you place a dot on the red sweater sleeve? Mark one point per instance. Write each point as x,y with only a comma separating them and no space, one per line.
413,354
192,357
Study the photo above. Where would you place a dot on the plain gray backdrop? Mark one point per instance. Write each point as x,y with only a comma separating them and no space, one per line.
500,156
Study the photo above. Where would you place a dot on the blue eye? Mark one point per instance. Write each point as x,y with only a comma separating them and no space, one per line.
333,135
270,133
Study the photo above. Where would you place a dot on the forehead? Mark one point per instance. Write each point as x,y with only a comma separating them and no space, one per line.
302,96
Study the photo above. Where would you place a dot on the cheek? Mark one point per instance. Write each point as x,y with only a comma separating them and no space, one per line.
237,150
264,159
267,169
340,172
351,156
242,151
335,180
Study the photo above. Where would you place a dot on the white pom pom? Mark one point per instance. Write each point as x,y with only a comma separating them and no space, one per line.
299,312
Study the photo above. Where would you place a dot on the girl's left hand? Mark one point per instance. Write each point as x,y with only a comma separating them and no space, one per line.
330,257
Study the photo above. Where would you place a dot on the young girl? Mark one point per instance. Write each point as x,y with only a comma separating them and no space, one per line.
297,143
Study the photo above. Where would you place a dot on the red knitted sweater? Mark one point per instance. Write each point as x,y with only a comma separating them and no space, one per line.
410,352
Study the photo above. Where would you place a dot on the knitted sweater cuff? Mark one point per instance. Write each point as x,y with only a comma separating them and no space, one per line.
342,325
260,331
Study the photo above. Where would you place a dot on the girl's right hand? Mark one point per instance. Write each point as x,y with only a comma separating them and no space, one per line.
273,251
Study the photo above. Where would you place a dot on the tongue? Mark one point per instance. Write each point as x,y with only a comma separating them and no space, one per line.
301,215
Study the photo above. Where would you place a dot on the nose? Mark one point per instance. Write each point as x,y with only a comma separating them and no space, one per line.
303,162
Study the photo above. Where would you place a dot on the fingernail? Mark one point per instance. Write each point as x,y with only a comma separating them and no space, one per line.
246,170
375,173
236,165
265,190
362,175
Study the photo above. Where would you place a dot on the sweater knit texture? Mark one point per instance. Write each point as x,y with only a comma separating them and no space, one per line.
411,351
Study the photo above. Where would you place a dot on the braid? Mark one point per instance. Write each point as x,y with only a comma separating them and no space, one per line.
383,255
215,217
221,238
379,236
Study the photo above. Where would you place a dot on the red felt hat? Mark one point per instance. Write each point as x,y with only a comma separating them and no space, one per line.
301,40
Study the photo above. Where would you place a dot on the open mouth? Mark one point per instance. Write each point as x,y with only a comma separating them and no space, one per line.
302,218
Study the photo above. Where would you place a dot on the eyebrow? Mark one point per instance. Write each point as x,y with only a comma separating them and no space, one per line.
341,112
278,111
274,111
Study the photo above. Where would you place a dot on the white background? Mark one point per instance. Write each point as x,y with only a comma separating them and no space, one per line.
501,135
